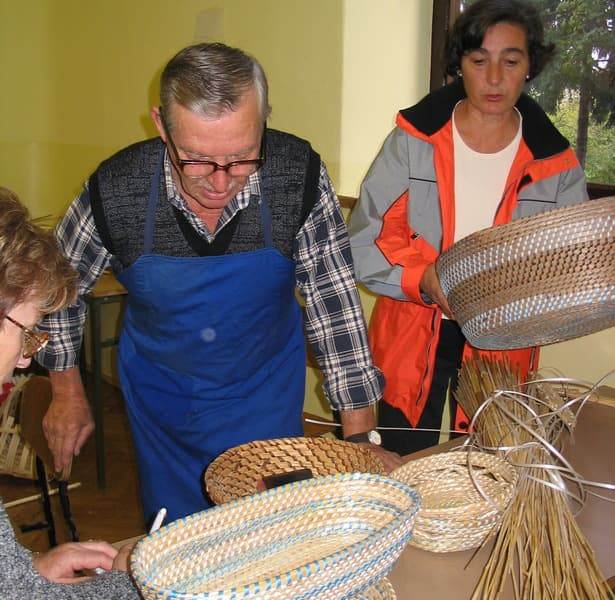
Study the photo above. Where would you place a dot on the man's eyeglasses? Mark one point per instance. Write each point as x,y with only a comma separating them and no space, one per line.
197,169
33,341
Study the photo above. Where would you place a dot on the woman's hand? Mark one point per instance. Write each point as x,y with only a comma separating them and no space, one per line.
120,563
430,285
62,563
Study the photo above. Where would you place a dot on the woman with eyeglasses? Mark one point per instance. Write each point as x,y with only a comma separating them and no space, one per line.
475,153
35,279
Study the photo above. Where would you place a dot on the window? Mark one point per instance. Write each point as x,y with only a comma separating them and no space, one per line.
577,89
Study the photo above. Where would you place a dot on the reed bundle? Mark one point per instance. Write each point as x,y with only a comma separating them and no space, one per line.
539,545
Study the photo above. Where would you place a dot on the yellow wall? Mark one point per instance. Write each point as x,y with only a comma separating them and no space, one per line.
79,78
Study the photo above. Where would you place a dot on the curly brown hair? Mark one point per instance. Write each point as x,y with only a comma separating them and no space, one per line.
31,264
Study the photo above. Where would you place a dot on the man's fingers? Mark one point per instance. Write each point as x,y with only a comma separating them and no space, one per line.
82,437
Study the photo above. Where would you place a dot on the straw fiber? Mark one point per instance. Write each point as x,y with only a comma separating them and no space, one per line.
238,471
454,515
534,281
326,538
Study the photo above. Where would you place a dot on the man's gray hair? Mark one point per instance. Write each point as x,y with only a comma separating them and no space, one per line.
211,79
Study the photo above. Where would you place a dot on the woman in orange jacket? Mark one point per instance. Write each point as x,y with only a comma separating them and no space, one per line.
476,153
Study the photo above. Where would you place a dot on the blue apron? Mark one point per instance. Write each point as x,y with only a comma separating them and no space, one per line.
212,355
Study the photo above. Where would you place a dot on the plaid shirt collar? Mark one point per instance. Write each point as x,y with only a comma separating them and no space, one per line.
239,202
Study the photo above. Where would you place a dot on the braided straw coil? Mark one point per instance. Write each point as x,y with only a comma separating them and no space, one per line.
535,281
454,515
326,538
238,471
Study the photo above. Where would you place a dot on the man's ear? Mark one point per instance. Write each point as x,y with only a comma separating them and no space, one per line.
155,114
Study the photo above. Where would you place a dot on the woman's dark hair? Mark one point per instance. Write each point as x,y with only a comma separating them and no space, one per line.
470,28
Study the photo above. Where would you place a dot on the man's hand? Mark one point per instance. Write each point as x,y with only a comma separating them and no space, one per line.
430,285
61,563
390,460
364,419
68,422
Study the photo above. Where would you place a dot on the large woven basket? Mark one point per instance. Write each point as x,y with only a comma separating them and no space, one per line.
534,281
454,515
326,538
239,471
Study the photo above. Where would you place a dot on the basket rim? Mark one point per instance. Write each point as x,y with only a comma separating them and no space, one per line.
236,454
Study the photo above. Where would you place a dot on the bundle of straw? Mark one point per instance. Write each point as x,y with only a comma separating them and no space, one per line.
539,545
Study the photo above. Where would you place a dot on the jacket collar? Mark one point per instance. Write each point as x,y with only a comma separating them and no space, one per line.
434,111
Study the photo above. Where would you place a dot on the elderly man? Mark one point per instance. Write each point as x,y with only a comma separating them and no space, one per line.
210,228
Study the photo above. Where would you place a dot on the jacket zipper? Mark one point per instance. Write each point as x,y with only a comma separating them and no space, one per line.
433,321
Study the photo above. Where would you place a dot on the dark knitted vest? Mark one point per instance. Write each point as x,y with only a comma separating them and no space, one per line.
120,186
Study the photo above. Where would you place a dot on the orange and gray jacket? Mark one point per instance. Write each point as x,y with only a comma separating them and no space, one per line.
406,217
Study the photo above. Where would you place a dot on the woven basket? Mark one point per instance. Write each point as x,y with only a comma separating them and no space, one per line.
534,281
454,515
17,457
326,538
238,471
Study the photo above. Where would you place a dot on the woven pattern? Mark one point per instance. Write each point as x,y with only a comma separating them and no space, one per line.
238,471
535,281
16,456
383,590
454,515
325,538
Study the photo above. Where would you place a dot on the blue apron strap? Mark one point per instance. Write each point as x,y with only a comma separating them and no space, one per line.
266,221
150,218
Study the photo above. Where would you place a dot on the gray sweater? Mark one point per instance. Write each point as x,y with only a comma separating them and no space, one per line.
19,580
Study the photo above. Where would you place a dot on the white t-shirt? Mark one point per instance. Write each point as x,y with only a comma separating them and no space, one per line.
479,183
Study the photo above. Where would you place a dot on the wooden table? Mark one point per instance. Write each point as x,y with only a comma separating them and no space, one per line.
422,574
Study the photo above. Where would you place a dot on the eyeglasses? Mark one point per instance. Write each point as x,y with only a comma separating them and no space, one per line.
33,341
197,169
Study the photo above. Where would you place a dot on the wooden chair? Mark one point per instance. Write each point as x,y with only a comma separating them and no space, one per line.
35,400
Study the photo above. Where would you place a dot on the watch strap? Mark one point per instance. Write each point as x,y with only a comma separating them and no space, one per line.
358,438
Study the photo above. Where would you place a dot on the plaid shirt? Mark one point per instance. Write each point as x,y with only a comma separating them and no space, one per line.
324,274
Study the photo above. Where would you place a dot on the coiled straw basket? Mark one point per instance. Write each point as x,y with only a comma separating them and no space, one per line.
238,471
326,538
534,281
454,515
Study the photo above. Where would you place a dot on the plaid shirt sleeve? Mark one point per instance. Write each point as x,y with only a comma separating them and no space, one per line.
334,321
80,242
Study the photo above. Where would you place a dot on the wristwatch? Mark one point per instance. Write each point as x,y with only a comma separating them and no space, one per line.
367,437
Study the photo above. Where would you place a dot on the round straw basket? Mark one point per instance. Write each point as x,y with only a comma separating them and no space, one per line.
534,281
325,538
454,515
238,471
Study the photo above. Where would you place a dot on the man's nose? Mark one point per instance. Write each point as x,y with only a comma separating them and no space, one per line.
219,180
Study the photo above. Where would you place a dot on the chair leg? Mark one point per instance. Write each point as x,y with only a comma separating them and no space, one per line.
48,523
68,517
42,479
